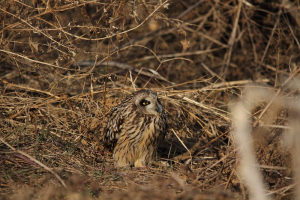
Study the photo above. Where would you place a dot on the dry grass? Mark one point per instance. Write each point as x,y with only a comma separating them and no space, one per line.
64,64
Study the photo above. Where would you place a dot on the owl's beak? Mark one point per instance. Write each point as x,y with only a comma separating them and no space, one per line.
159,108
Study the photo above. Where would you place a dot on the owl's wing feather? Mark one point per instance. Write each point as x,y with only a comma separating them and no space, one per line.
165,126
113,127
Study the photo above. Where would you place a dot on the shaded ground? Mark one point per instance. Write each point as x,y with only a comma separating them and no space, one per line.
64,64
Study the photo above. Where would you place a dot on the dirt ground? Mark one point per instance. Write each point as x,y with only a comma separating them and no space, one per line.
222,69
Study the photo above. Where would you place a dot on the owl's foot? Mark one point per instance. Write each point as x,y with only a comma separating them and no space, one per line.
139,163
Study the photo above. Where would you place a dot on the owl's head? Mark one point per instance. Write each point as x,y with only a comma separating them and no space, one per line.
147,102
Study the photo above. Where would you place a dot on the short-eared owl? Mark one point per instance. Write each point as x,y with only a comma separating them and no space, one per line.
134,129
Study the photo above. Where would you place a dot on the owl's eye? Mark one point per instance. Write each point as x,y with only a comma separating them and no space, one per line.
145,102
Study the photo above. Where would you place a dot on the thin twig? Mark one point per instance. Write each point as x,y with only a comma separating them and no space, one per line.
35,61
232,37
36,161
105,83
182,143
28,88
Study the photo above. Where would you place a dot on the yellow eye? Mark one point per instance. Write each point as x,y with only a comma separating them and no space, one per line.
145,102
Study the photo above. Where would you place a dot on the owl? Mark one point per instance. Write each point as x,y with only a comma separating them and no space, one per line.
134,129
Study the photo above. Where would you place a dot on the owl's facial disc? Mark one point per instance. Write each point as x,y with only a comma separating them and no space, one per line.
151,105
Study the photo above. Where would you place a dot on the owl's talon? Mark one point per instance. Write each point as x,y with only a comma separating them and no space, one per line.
139,163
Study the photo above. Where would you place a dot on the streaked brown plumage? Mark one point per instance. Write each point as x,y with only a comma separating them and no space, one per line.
134,129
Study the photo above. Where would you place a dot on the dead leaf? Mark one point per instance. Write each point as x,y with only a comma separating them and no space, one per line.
185,45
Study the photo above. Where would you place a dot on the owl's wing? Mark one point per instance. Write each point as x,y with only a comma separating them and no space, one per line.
113,127
165,126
